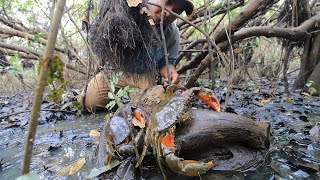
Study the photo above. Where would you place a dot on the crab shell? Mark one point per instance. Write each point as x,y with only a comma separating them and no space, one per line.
167,112
118,129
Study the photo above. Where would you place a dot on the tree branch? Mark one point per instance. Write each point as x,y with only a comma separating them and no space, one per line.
27,36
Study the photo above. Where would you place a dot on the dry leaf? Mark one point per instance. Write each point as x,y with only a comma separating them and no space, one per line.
72,168
136,122
237,50
306,94
263,101
133,3
94,133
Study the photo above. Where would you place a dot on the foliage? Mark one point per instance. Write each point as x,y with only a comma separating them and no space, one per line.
55,79
122,93
312,90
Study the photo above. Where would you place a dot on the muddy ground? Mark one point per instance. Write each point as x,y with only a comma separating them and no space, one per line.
64,137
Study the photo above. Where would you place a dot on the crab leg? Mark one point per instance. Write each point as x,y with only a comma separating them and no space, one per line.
157,147
145,146
209,99
179,165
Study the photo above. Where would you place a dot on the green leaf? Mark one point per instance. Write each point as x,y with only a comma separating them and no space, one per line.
309,83
126,88
29,176
133,90
250,84
257,41
111,104
66,105
37,37
120,93
110,95
312,90
112,88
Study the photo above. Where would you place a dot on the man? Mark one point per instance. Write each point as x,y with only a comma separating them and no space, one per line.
96,96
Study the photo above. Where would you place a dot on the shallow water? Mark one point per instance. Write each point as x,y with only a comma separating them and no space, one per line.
59,143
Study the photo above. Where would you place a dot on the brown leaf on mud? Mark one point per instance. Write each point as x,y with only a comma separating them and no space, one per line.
263,101
94,133
133,3
72,168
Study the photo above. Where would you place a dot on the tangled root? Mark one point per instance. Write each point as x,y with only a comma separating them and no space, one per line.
122,37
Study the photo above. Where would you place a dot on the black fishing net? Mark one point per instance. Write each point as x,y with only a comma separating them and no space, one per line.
122,37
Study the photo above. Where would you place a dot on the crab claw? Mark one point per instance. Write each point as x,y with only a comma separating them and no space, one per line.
179,165
139,119
209,99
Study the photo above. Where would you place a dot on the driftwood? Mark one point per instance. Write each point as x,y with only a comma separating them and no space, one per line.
210,127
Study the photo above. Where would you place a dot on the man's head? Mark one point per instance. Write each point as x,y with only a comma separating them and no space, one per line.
177,6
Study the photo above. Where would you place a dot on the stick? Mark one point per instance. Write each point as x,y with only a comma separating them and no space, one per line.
38,97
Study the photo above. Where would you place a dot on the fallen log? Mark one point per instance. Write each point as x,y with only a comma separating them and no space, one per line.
210,127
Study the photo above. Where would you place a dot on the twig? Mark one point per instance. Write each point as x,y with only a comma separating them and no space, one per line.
164,44
25,111
231,62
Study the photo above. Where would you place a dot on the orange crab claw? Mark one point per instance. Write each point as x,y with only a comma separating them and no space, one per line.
139,119
168,141
210,100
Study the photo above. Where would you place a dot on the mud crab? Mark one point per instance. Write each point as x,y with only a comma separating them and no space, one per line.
160,121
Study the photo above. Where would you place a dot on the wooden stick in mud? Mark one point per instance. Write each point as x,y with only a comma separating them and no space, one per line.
39,89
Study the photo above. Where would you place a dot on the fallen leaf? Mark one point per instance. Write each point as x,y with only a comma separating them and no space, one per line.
266,100
97,172
263,101
133,3
287,99
314,131
72,168
306,94
94,133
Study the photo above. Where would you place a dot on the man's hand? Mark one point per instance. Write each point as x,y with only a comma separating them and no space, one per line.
175,78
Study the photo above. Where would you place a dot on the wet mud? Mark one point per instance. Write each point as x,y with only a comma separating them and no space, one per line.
63,138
